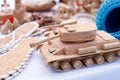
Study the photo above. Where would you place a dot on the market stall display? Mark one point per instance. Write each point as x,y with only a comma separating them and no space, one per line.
71,39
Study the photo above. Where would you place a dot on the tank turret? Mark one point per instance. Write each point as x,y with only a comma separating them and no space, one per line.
72,33
78,45
78,33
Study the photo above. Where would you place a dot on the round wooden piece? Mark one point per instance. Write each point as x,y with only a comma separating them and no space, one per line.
99,59
88,61
55,64
110,57
65,66
76,64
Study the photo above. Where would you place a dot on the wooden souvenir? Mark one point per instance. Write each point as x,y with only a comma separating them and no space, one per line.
6,28
5,7
65,11
5,13
64,1
19,14
15,24
87,5
95,4
43,20
77,6
15,60
45,5
4,16
64,56
17,35
18,4
20,11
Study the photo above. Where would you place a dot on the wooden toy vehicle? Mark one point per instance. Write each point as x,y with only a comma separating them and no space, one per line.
42,20
78,46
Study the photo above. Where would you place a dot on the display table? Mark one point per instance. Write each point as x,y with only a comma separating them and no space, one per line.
36,70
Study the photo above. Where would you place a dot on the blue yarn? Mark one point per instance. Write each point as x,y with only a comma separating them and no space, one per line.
108,17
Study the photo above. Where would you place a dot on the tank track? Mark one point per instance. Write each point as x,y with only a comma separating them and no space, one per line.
85,61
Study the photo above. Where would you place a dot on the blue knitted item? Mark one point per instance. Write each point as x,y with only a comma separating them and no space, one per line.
108,17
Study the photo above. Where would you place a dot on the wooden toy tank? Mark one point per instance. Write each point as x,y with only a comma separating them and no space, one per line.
78,46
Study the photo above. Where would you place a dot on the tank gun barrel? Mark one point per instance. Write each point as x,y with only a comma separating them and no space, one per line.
44,40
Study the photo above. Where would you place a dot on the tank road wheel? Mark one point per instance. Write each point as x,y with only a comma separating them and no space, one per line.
88,61
99,59
110,57
76,64
118,53
55,64
65,65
